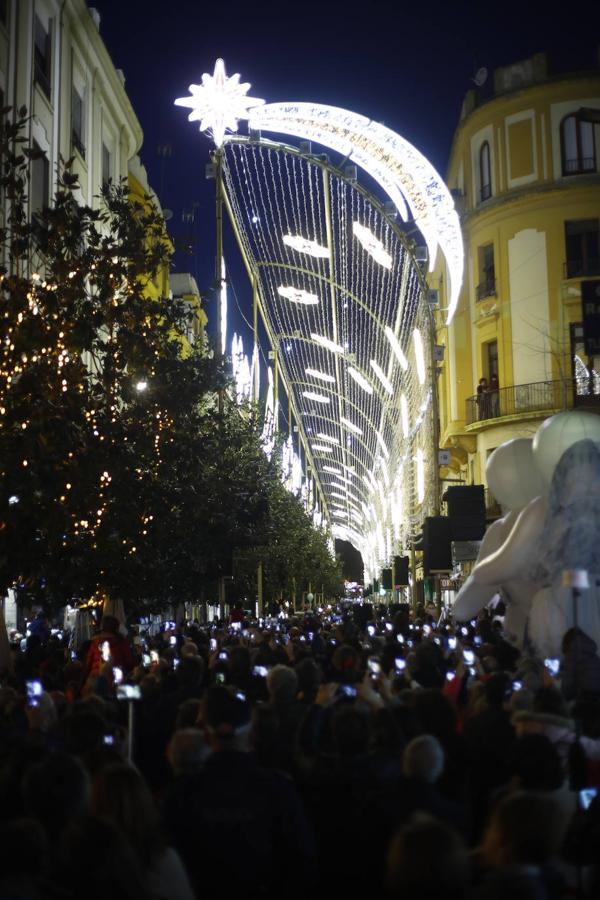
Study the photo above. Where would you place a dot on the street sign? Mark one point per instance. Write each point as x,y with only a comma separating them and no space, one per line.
590,304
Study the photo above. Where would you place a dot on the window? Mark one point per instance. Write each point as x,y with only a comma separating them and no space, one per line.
485,172
491,359
42,56
106,165
77,122
577,146
582,245
487,272
4,12
40,181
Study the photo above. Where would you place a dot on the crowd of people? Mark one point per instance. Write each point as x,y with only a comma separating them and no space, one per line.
349,751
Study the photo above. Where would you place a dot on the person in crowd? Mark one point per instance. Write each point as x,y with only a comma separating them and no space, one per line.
109,645
234,807
427,860
120,796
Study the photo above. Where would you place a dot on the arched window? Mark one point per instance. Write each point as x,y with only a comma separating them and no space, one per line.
577,146
485,172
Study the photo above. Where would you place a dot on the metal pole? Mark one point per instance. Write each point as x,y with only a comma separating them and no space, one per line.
130,730
259,588
218,157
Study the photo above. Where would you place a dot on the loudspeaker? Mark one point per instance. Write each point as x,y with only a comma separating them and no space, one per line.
386,579
401,570
466,511
437,536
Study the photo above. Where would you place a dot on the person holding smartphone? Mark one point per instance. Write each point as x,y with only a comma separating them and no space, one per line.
121,654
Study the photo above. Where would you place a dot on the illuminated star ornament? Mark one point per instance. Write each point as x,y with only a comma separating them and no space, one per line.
219,102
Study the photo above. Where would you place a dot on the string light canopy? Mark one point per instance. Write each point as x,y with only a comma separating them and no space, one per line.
339,287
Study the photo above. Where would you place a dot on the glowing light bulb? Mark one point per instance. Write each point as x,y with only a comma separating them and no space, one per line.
297,295
141,386
318,398
419,355
372,245
326,437
360,380
350,425
303,245
382,377
322,375
397,349
325,342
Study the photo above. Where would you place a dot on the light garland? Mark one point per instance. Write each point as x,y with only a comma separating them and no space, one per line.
327,437
397,349
350,425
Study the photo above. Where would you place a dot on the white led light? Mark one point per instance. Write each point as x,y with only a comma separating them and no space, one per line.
341,487
322,375
321,448
372,245
297,295
303,245
420,476
325,342
360,380
419,355
343,478
219,102
326,437
382,444
339,496
382,377
141,386
395,345
350,425
331,469
404,415
340,514
318,398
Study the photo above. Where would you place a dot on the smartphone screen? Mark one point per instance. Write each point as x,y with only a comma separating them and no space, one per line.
452,643
586,796
146,659
173,640
220,677
469,657
400,664
34,692
553,665
154,656
260,671
117,675
105,651
213,644
374,667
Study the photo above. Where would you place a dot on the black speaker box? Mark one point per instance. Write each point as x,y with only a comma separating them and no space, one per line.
401,570
437,536
386,579
466,511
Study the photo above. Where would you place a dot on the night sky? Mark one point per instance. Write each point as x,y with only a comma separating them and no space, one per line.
407,65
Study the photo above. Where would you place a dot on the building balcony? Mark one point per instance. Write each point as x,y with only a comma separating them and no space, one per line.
519,399
581,268
487,288
579,166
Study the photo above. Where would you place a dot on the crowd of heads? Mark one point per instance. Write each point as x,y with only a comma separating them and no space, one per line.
373,751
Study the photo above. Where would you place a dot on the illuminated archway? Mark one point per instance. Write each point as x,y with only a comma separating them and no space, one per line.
343,300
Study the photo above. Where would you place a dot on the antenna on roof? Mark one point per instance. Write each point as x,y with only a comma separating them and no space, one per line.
480,76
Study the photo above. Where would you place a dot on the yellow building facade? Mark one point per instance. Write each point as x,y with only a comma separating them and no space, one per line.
524,170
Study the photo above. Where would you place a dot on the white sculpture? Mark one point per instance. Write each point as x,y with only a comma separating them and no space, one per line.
514,481
551,536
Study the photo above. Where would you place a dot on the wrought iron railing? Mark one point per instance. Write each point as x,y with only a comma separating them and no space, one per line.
579,165
519,398
578,268
487,288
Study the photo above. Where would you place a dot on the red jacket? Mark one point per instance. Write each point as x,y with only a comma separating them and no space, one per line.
120,653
